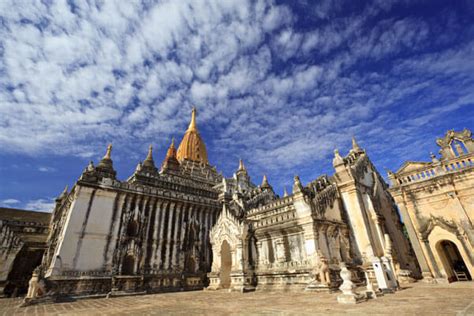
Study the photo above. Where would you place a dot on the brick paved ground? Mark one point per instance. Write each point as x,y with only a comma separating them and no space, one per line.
419,299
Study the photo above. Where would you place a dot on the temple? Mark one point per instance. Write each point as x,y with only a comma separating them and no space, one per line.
436,200
184,226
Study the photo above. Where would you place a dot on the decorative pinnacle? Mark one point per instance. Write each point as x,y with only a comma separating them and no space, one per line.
265,182
108,152
337,158
172,143
192,124
150,153
241,165
285,193
355,146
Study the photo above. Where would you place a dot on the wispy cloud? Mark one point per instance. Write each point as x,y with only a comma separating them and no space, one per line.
46,169
9,202
280,85
40,205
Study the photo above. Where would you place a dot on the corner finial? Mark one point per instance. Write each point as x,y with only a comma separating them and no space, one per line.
297,186
355,147
108,152
285,193
150,153
171,153
241,165
265,183
337,158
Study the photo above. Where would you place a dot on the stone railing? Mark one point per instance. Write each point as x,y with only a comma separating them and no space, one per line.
432,170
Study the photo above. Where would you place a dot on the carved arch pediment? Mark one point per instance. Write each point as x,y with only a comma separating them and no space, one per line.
429,224
228,227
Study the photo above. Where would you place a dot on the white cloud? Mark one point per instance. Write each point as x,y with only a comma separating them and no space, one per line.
281,95
9,202
46,169
40,205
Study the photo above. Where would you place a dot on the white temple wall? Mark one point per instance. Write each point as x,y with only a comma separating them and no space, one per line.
86,231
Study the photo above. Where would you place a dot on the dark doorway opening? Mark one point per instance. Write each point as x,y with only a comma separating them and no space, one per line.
453,262
226,265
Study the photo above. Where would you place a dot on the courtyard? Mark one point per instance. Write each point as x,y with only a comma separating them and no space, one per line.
414,299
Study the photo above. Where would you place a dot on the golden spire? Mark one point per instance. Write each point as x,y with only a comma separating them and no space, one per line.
192,124
108,152
192,146
171,150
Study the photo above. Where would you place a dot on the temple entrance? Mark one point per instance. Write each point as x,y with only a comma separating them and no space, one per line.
453,262
226,265
128,265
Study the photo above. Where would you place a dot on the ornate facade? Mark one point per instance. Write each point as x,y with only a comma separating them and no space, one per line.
184,226
436,200
298,242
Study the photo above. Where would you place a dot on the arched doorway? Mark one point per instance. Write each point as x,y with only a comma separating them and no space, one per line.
226,265
452,261
128,265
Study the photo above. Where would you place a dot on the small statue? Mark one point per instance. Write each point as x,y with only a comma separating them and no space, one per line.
35,285
321,272
324,276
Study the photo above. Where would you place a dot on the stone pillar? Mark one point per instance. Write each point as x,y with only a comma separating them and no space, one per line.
380,234
207,247
415,242
177,225
171,211
435,271
161,236
305,220
359,220
323,240
202,243
155,236
260,253
183,224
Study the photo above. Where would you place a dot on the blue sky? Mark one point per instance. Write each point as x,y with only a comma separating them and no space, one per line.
278,84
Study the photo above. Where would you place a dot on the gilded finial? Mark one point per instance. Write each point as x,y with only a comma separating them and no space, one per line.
192,124
108,152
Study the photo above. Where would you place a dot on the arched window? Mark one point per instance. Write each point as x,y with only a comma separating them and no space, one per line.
458,148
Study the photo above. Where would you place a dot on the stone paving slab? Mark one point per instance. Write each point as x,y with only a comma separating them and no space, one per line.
417,299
